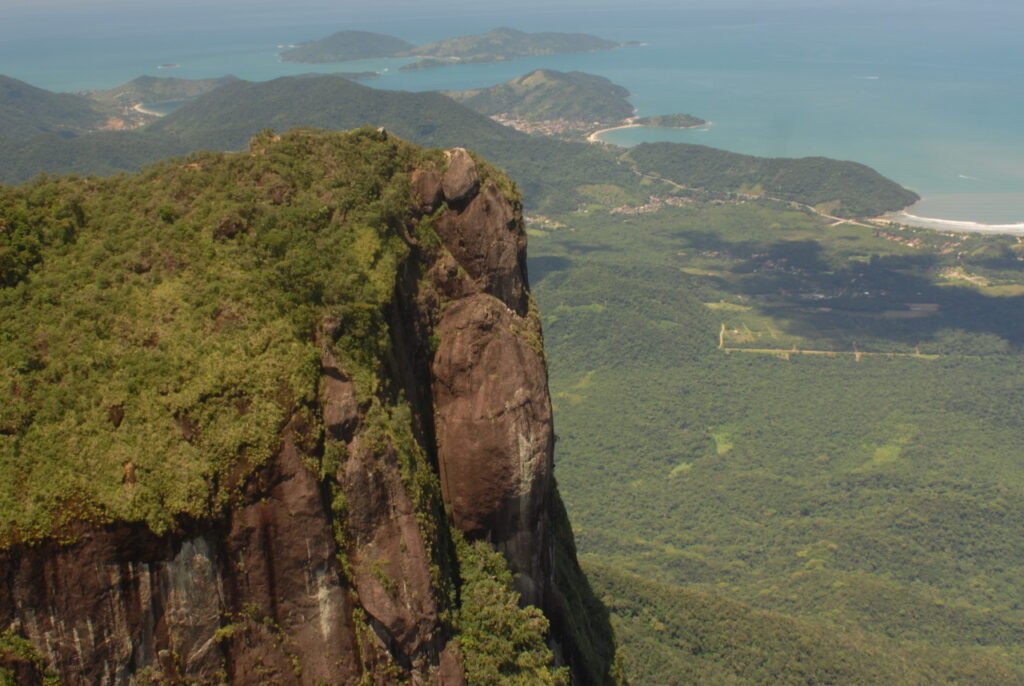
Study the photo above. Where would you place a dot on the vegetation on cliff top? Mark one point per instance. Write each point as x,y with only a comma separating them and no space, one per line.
158,328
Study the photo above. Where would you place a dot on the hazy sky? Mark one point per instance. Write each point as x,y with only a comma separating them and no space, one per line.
23,19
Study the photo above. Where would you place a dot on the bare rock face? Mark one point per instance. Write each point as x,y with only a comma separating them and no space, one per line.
426,185
389,561
494,428
461,180
487,240
291,605
263,601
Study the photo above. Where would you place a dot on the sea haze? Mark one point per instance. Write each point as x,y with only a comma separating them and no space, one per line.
930,97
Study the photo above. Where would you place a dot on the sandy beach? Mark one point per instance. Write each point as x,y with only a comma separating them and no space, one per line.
954,225
632,124
596,136
141,109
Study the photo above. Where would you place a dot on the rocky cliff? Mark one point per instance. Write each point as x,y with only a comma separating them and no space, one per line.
292,504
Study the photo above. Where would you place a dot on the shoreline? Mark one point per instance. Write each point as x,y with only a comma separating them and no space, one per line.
595,137
141,109
953,225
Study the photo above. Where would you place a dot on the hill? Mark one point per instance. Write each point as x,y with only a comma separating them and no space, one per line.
547,95
505,44
556,175
225,119
846,189
153,89
235,384
28,111
345,46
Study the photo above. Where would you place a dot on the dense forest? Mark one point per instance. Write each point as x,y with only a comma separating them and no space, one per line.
808,429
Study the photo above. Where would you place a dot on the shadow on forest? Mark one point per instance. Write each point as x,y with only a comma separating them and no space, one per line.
888,298
540,267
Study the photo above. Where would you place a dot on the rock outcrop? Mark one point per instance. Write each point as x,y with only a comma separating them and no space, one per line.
335,564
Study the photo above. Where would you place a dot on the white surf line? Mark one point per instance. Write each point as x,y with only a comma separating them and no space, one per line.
141,109
955,225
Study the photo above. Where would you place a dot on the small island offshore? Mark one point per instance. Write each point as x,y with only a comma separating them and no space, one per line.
572,105
499,45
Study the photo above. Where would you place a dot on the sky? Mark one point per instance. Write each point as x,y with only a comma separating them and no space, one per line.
18,16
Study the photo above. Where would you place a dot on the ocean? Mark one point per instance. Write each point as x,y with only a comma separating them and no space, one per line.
931,97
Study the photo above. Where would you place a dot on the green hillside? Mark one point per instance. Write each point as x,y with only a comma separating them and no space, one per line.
28,111
545,94
347,45
549,172
152,89
846,189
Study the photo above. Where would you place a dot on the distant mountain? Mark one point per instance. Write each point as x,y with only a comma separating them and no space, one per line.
554,175
505,44
546,94
152,89
29,111
347,45
550,173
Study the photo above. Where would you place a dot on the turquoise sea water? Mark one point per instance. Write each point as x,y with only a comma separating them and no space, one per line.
932,99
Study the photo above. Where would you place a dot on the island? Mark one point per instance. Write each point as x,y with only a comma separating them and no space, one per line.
505,44
671,121
499,45
345,46
550,102
573,105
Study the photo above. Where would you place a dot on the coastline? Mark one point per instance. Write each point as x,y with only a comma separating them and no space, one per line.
630,123
141,109
595,137
953,225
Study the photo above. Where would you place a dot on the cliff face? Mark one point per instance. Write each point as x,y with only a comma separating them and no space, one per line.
333,561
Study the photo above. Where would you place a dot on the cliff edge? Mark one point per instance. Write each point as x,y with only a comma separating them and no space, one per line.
273,415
